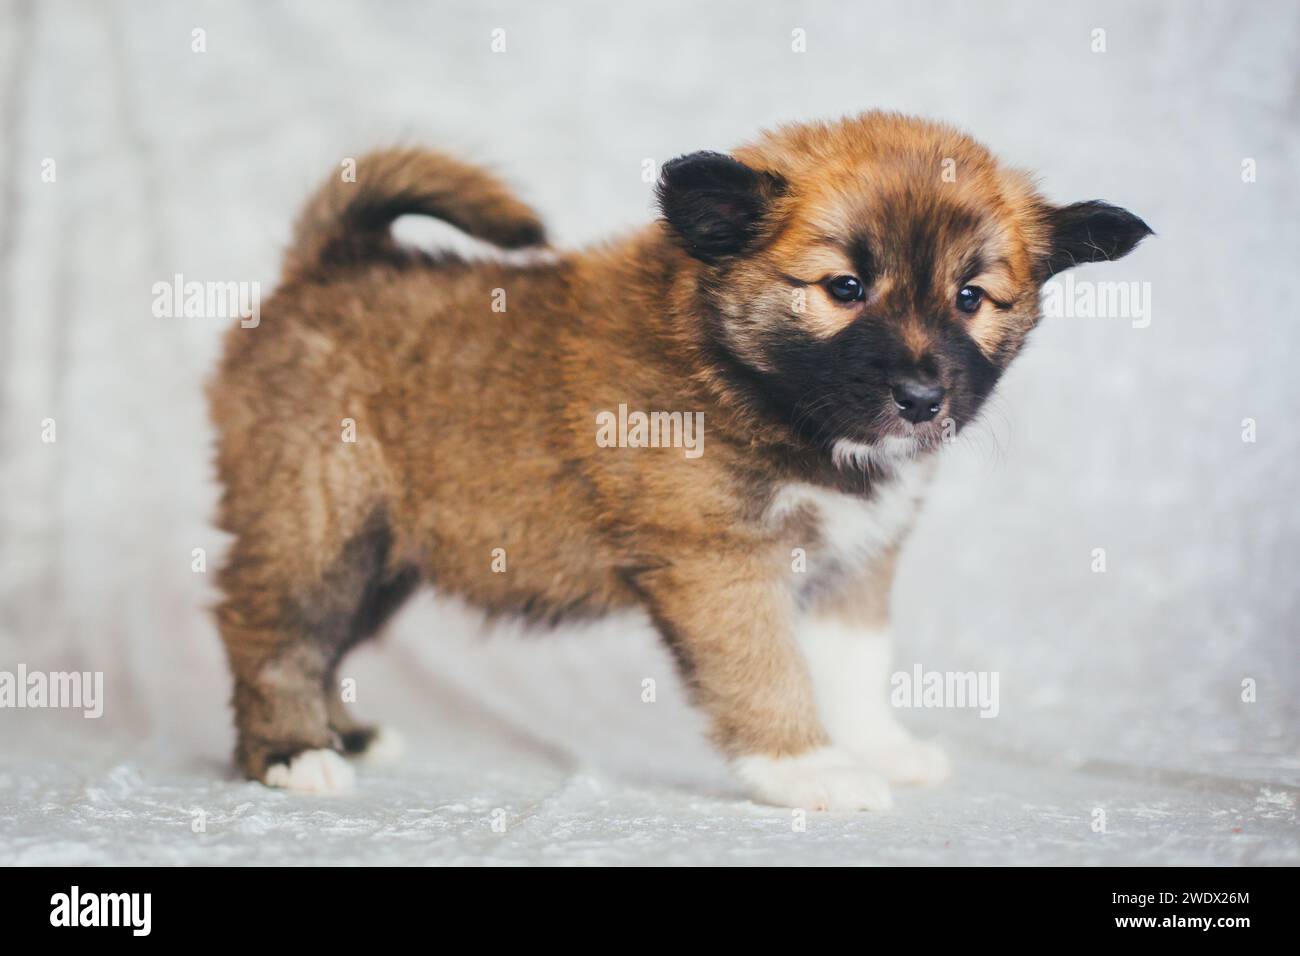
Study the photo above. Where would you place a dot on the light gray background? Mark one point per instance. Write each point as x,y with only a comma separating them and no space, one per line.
1119,691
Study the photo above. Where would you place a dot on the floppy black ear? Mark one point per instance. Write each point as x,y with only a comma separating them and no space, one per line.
715,204
1090,232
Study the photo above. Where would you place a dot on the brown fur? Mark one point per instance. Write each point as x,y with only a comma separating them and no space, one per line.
475,429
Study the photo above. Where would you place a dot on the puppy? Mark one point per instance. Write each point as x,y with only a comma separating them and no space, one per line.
835,300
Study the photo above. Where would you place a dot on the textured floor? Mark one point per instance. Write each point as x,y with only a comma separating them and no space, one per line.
1121,693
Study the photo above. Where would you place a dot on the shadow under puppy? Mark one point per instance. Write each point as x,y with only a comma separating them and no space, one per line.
835,299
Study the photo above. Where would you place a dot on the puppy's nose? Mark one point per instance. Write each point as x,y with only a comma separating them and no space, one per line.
917,401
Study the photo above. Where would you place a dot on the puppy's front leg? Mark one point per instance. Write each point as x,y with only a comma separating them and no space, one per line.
730,626
846,642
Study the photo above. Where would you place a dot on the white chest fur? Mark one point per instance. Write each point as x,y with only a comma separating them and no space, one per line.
852,530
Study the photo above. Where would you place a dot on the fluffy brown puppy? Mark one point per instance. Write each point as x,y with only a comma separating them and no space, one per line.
725,419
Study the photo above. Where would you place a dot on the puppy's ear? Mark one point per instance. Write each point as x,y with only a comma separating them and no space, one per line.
1091,232
716,206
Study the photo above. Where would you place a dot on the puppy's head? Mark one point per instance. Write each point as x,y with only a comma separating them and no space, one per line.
869,280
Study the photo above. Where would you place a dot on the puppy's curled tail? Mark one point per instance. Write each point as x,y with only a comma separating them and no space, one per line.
347,222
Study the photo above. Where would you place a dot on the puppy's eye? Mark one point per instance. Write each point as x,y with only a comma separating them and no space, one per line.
845,288
969,299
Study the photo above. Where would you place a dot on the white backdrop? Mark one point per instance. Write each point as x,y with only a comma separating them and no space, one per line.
1119,691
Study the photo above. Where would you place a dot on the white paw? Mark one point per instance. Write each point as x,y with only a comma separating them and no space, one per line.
387,746
910,761
312,771
822,779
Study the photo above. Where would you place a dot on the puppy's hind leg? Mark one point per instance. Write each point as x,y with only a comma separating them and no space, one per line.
381,744
284,639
